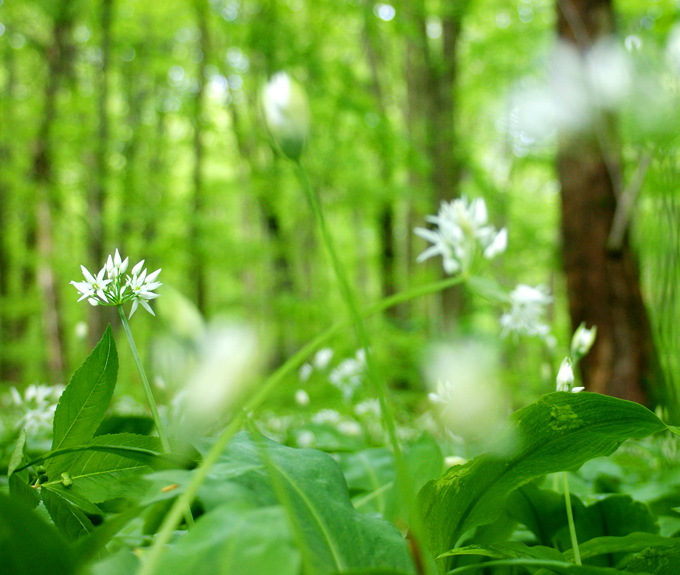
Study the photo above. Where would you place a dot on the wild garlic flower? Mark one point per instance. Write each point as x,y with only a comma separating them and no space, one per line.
37,406
119,288
462,233
565,377
582,341
527,310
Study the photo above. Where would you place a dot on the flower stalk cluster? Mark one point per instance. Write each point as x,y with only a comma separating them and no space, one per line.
112,287
462,234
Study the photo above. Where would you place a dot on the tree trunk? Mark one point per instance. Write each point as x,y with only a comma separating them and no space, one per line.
603,285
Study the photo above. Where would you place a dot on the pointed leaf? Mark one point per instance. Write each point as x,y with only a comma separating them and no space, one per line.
558,567
86,398
560,431
99,476
68,518
18,479
510,550
632,543
28,545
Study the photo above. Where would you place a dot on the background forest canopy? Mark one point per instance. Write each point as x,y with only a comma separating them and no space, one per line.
137,125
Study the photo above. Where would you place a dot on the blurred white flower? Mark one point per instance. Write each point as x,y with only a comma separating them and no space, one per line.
582,341
226,366
286,114
305,439
302,398
349,428
38,404
326,416
462,233
348,374
323,358
527,310
368,408
468,396
305,372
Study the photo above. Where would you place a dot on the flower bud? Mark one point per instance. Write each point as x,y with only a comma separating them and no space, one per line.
582,340
286,114
565,376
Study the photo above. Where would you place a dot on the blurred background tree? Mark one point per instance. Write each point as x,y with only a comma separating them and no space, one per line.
136,125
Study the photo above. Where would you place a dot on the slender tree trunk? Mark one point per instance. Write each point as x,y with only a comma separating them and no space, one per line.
97,320
57,61
603,284
197,235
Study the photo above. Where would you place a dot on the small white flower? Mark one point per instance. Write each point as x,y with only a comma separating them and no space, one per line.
141,288
565,375
461,232
323,358
302,398
582,340
115,267
527,309
305,372
93,287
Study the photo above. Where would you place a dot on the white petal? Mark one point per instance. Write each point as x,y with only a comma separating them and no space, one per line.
133,309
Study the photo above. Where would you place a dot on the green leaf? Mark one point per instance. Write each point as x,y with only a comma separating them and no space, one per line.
330,531
28,545
560,431
71,521
234,539
102,475
656,560
632,543
510,550
145,456
86,398
559,567
18,479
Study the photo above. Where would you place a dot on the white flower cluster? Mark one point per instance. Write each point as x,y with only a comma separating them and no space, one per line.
38,405
527,310
348,374
462,233
116,289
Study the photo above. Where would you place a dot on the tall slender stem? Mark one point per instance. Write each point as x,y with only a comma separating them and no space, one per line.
570,518
184,500
145,382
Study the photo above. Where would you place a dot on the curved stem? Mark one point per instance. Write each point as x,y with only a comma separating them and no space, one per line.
174,516
145,382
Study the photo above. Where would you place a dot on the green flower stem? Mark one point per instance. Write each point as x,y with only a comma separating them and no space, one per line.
404,483
145,382
570,518
174,516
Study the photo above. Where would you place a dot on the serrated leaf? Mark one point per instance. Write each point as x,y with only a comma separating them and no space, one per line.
86,398
18,480
99,476
559,432
68,518
28,545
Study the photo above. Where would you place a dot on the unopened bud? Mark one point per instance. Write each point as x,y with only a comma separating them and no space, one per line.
286,114
582,341
565,376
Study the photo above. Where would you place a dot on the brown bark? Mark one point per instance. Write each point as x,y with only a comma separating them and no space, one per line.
603,285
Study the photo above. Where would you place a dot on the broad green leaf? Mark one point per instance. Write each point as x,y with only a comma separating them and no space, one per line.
558,567
510,550
542,511
124,562
331,532
235,539
560,431
86,398
28,545
71,521
18,479
99,476
632,543
656,560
